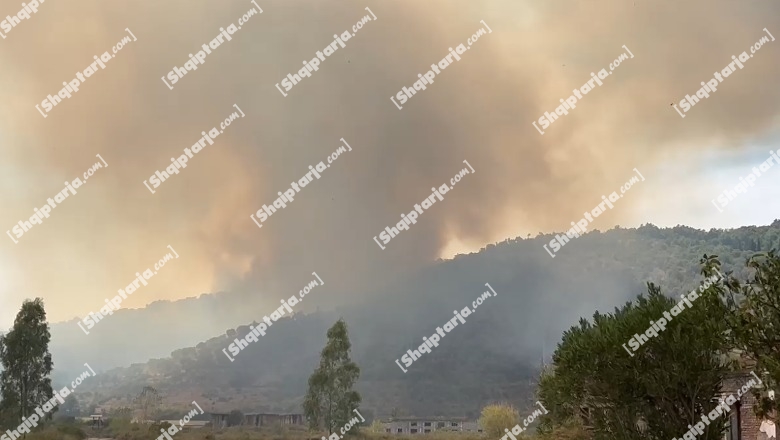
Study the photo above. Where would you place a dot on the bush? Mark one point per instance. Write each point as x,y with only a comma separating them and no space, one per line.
59,433
155,428
73,431
496,418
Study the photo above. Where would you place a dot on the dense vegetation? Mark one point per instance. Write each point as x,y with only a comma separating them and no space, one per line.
673,379
495,356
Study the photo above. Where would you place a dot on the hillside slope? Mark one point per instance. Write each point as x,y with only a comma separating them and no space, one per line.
495,355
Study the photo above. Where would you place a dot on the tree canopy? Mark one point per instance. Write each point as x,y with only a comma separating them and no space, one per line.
24,354
330,399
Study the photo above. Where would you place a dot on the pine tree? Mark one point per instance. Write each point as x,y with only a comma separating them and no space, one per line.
330,399
24,354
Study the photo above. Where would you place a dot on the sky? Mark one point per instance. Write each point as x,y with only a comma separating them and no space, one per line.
479,109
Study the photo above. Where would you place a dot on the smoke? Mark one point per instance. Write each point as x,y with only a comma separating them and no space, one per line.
479,109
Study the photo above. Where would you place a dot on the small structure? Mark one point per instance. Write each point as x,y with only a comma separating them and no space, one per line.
97,421
220,420
743,423
426,425
259,419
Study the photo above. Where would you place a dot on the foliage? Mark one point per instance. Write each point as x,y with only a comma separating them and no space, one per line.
569,430
157,428
754,321
70,408
24,354
62,432
122,428
72,430
494,357
122,412
330,399
666,385
497,417
376,427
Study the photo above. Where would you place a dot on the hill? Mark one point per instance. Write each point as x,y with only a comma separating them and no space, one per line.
495,355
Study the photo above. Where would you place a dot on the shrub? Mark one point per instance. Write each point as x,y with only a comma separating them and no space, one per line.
72,431
495,418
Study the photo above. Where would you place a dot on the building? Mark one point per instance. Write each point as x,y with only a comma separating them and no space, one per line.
258,419
426,425
743,423
220,420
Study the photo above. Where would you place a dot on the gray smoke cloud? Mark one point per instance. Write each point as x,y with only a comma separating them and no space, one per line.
479,109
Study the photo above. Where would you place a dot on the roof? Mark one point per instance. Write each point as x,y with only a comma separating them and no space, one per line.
271,414
428,419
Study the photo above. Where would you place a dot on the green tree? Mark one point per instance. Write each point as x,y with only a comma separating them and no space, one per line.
70,408
24,354
754,320
668,383
330,399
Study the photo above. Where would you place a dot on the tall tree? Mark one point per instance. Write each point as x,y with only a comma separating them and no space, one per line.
24,354
330,399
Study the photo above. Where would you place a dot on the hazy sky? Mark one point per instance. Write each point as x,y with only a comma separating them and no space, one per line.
479,109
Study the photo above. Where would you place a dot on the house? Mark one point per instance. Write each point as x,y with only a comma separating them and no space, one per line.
220,420
426,425
743,423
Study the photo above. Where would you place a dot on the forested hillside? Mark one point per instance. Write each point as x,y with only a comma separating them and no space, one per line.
495,355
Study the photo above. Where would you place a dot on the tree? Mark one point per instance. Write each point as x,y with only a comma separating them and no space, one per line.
754,320
330,399
70,408
377,427
24,354
123,412
665,385
496,418
148,402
